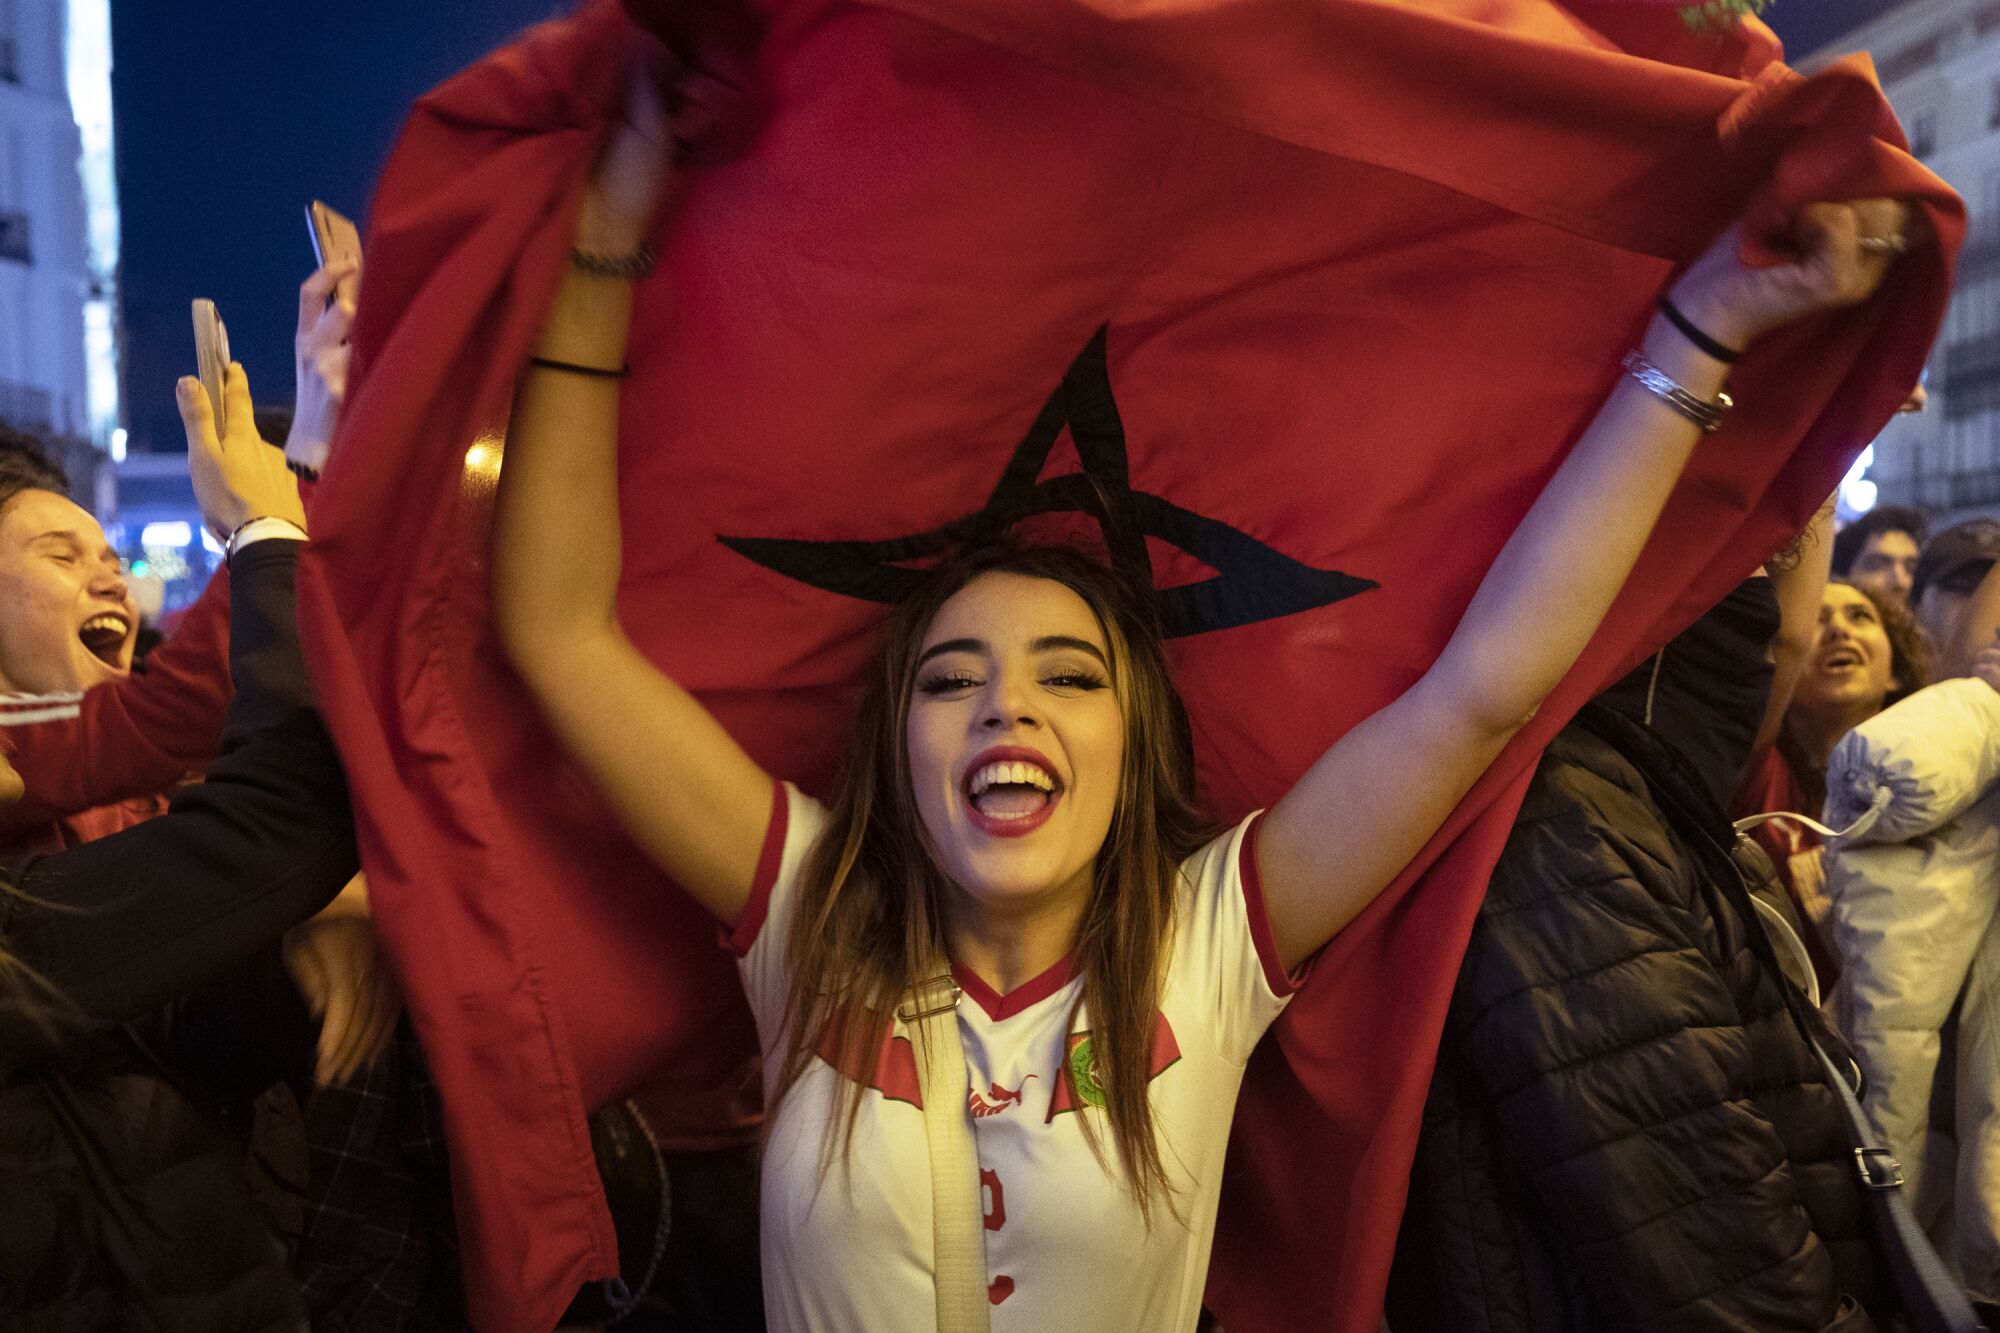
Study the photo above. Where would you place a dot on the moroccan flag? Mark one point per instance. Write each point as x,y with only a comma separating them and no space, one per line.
1299,302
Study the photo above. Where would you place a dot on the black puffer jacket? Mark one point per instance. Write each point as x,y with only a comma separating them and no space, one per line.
1626,1130
122,1206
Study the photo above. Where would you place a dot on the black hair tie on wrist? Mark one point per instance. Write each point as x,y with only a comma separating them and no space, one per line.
594,372
1694,334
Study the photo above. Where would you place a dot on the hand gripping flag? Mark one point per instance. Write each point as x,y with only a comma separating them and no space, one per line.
1299,302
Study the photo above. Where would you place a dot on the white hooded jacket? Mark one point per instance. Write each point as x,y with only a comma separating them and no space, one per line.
1913,919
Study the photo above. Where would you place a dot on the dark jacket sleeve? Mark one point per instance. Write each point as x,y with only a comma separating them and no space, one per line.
1599,1024
124,924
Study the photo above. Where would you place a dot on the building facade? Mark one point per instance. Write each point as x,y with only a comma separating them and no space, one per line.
59,235
1939,63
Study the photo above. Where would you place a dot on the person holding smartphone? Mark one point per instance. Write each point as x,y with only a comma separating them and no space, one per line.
125,1203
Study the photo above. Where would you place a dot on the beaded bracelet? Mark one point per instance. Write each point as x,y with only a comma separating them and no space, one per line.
628,267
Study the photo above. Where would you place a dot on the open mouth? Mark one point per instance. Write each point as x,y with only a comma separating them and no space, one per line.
1839,659
104,637
1011,793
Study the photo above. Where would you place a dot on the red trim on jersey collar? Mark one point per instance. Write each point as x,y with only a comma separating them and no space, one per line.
998,1006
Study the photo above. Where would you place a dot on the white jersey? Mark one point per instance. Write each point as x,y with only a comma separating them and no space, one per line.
1066,1246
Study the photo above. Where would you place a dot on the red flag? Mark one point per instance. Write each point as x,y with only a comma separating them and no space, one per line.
1300,301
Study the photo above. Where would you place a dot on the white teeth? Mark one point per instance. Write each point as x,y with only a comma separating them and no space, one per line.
117,624
1016,772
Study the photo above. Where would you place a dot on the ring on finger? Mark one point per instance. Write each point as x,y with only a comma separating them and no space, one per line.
1893,244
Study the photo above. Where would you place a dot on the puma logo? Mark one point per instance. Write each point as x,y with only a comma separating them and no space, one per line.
995,1101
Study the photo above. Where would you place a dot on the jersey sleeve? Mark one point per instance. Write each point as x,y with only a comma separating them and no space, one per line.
132,737
761,933
1224,949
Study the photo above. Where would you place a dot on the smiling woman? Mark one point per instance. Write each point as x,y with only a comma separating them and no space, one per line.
1017,826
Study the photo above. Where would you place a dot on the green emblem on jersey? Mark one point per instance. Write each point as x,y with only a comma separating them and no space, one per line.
1083,1072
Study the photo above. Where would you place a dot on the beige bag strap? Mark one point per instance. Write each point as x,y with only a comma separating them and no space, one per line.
958,1214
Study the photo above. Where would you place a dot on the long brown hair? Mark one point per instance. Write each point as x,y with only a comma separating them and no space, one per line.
870,924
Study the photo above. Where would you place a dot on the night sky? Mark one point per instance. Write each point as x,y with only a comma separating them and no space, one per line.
231,114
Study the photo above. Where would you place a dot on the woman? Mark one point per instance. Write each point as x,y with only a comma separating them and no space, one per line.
126,1207
1019,808
1867,655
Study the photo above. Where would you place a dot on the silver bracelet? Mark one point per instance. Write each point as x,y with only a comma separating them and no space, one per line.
1707,415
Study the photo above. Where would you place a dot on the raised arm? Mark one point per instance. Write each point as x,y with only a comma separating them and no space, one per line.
123,924
1371,802
1799,580
685,791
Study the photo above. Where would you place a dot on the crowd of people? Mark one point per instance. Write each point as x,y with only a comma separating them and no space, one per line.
214,1114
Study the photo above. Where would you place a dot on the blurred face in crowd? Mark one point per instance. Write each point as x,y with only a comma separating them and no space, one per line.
67,620
1943,604
1886,565
1852,667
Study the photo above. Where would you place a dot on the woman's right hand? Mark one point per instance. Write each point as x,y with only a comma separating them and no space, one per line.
237,476
634,167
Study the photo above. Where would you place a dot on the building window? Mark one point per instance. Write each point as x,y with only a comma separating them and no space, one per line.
1993,106
14,238
1923,133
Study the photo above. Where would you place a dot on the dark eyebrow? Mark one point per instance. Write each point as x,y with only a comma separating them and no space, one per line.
1050,642
952,646
1046,644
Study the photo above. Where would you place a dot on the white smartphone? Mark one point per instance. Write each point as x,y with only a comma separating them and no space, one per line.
211,356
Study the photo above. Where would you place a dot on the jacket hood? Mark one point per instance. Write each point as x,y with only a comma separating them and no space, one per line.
1704,693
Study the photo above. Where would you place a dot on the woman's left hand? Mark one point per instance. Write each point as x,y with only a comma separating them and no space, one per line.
1845,250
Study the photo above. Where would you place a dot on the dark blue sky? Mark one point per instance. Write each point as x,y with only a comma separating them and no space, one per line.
231,114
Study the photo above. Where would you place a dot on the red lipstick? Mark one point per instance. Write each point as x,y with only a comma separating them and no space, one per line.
1024,824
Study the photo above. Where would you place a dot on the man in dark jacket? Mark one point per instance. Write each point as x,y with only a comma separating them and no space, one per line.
1627,1129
